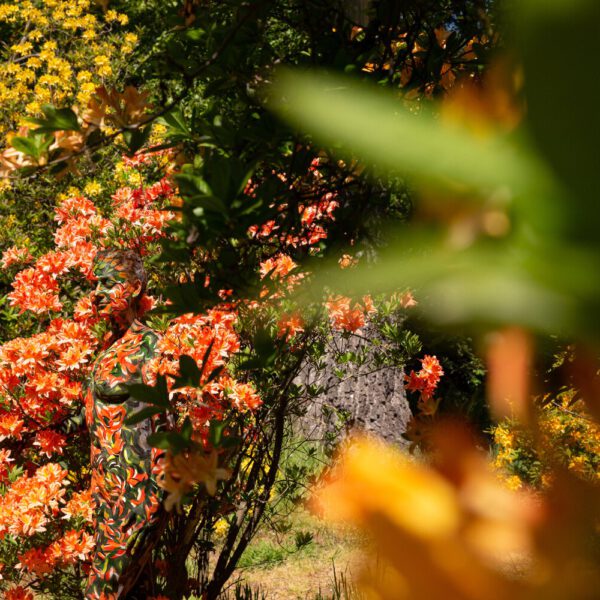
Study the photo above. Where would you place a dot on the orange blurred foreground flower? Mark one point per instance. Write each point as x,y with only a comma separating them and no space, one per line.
440,532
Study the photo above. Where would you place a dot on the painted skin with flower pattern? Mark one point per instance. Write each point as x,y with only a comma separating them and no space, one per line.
124,466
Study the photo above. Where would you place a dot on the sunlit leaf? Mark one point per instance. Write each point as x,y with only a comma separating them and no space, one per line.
563,96
375,125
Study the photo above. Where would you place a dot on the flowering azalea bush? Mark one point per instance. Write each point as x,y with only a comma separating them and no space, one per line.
233,213
46,508
567,436
57,52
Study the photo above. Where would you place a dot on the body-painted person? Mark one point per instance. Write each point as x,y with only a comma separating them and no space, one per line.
124,466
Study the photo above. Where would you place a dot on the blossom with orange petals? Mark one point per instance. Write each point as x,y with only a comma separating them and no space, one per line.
289,325
15,256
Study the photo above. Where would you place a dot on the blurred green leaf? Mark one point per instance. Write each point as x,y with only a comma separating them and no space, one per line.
187,429
169,440
563,96
136,138
34,145
143,414
215,432
550,292
373,124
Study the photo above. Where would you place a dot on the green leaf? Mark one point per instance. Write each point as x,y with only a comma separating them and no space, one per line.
177,129
188,297
207,354
215,432
214,374
563,97
34,145
230,442
26,146
169,440
136,138
207,203
186,429
57,119
191,184
158,394
482,284
194,34
144,414
374,124
190,374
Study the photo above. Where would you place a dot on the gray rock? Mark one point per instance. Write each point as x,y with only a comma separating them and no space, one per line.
366,398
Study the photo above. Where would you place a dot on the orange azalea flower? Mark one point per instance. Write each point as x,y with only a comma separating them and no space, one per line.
50,442
345,317
74,546
80,505
18,593
182,471
36,291
45,383
425,383
369,305
431,369
264,231
53,263
278,266
77,206
15,255
29,353
30,523
347,261
73,231
10,426
84,309
407,300
244,396
289,326
5,459
74,357
38,561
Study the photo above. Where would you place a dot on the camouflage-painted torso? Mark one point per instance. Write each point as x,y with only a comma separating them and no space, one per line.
124,486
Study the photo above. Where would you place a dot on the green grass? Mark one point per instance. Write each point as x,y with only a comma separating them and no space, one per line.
308,560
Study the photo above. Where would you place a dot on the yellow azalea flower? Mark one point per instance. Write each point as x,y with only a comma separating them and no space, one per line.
182,471
221,527
514,483
92,188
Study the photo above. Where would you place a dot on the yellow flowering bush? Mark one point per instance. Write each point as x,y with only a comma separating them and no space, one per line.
57,52
565,435
54,52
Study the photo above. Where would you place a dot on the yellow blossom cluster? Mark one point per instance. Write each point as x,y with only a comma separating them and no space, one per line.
565,435
56,52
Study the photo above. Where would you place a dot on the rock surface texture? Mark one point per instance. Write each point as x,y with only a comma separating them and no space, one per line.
366,398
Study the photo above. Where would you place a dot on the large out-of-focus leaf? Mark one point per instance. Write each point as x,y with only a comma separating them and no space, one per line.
537,282
481,285
374,125
560,46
